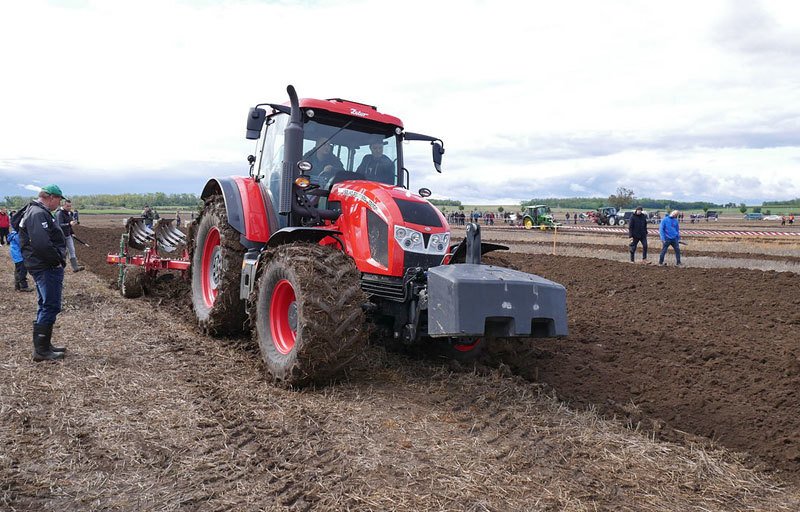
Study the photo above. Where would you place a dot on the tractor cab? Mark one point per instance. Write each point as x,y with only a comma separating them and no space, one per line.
327,143
307,149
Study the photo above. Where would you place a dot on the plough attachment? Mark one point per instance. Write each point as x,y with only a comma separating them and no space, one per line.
137,270
165,232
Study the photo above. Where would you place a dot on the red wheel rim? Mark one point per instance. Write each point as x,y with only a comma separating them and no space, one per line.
461,347
283,316
211,267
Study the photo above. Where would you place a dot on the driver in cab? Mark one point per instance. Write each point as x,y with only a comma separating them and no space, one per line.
322,160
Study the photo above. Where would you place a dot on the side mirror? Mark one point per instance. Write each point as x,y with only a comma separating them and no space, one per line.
438,151
424,192
255,120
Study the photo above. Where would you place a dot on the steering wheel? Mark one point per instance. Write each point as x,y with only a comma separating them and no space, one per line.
326,175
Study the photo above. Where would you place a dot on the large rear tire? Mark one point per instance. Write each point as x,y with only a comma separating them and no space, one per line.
309,318
216,256
527,222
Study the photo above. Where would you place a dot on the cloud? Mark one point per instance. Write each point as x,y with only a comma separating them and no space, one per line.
560,97
749,27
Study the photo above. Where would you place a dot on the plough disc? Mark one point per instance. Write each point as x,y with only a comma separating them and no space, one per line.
165,231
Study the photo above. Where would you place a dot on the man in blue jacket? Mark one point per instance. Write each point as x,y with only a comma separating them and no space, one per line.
669,230
44,252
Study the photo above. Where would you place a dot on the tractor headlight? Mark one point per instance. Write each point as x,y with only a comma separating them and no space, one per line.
304,165
409,239
412,240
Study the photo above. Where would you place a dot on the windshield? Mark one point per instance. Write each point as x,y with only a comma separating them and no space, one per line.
333,150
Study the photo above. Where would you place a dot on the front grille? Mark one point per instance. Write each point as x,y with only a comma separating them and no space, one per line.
391,288
415,259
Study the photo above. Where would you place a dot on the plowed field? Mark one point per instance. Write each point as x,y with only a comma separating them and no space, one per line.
677,389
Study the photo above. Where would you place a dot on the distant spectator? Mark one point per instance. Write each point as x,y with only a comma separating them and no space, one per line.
178,218
637,231
5,223
147,215
669,231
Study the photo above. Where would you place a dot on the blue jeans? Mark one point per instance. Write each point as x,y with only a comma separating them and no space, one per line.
666,245
49,284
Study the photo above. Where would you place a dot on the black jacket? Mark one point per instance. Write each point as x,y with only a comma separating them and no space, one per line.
41,239
63,217
637,227
381,170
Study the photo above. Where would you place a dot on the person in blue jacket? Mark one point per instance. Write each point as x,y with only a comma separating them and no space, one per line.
20,274
669,230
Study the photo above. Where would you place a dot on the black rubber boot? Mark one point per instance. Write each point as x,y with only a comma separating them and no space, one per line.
42,350
49,340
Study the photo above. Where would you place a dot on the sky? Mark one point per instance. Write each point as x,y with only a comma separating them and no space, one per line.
682,100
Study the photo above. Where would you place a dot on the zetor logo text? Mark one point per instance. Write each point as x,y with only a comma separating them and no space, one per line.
358,113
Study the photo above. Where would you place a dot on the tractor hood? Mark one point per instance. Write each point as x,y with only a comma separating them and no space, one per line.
404,230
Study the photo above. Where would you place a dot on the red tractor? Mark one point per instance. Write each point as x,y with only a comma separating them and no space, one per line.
323,242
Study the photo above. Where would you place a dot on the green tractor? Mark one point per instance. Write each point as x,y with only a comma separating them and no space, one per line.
538,216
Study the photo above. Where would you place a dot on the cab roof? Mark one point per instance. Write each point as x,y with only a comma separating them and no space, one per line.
350,108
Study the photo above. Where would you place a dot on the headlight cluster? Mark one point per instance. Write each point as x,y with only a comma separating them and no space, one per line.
412,240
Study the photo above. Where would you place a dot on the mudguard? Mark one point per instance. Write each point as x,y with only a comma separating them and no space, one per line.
477,300
246,206
303,234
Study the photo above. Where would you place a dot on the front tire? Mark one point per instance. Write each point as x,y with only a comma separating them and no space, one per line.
216,256
308,313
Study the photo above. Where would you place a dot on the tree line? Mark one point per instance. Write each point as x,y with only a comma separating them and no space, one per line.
791,203
623,198
131,201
